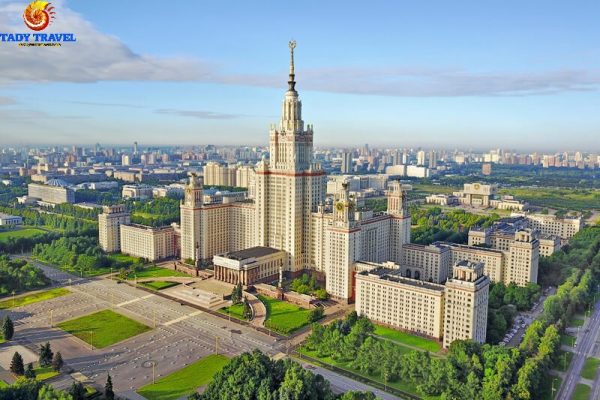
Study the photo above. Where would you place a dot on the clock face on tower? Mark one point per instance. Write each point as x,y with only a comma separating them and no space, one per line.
339,206
476,186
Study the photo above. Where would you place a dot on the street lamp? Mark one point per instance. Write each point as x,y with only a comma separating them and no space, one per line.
151,364
13,298
553,390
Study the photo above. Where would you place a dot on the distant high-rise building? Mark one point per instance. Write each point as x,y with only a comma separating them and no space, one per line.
125,159
346,163
421,158
486,168
135,148
432,159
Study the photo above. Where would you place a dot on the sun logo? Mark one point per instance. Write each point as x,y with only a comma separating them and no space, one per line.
38,15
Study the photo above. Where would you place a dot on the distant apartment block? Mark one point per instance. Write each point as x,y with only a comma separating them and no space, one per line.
137,192
55,192
10,220
549,224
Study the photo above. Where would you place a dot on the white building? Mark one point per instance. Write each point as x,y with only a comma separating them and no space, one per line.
10,220
136,192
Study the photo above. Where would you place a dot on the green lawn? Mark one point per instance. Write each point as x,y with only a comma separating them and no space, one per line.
284,317
407,339
235,311
44,373
124,258
563,360
567,340
576,322
546,388
590,367
400,385
158,285
103,328
582,392
185,381
33,298
155,272
3,384
146,215
86,272
19,233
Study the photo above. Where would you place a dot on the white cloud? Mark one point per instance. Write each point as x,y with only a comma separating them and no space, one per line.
94,57
202,114
100,57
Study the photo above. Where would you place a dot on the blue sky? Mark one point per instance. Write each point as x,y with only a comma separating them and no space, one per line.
510,74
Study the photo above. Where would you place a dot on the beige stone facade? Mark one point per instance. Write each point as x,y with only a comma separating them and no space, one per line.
249,266
109,223
289,213
466,303
53,194
454,310
147,242
549,224
386,297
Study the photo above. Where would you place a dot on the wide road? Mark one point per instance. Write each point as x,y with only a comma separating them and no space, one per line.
586,346
181,334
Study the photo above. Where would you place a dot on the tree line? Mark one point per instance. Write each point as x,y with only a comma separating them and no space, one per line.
81,253
162,211
55,221
432,224
18,276
472,370
254,376
503,304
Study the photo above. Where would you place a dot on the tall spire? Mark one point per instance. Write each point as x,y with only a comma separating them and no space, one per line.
292,82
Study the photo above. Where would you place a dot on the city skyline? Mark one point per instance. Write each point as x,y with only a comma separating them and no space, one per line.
404,84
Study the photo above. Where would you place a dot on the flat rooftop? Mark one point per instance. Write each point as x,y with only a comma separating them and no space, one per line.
395,275
252,252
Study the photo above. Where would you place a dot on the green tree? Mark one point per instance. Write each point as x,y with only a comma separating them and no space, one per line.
57,362
8,329
352,395
236,294
16,364
29,372
321,294
77,391
47,392
316,314
46,355
247,309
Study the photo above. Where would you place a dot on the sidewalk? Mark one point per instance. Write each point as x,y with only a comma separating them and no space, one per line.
259,309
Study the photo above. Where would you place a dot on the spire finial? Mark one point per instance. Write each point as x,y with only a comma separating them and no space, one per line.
291,82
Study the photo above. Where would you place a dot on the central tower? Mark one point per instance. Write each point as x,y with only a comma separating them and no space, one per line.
291,146
289,186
